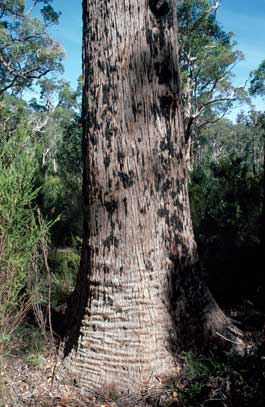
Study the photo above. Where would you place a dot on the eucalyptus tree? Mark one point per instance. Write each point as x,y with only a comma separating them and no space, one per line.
27,52
56,126
207,57
257,81
257,88
138,283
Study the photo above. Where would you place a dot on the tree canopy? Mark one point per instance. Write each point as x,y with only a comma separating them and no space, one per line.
27,52
207,58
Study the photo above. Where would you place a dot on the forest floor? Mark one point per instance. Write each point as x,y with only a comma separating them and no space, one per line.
32,382
28,375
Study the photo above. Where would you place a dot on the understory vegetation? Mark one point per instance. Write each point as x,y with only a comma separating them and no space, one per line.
41,200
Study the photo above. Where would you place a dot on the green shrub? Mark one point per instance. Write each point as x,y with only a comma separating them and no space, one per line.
22,231
30,344
201,372
202,366
64,265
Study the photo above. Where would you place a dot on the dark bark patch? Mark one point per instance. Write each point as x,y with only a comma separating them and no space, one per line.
109,131
166,102
110,301
149,36
101,66
120,157
113,68
161,40
107,161
163,72
109,134
111,206
105,90
98,126
163,213
165,75
143,162
175,222
160,8
106,269
179,184
166,186
167,145
111,241
157,68
93,139
94,283
143,211
90,119
179,156
155,110
125,206
173,194
180,207
167,107
158,180
148,265
134,109
126,179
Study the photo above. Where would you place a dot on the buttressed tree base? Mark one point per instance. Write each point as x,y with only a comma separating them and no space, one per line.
139,298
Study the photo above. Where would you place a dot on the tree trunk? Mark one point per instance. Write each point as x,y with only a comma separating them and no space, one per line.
261,165
138,297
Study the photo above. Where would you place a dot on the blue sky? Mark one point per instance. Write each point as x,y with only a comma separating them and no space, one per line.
244,18
69,34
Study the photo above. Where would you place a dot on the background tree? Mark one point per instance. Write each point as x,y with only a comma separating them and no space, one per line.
257,81
207,58
56,123
257,88
22,229
41,132
138,283
27,52
226,202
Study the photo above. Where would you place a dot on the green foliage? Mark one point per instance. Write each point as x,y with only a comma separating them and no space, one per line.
207,56
64,264
27,52
226,202
21,228
41,151
29,344
14,113
226,182
202,366
257,81
199,370
226,191
56,119
191,395
223,379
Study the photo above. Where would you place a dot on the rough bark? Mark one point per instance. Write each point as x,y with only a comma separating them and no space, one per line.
138,298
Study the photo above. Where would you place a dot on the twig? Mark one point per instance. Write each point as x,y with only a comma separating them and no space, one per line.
227,339
45,258
203,404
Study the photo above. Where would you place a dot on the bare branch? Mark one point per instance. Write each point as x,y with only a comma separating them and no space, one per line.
212,121
34,4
